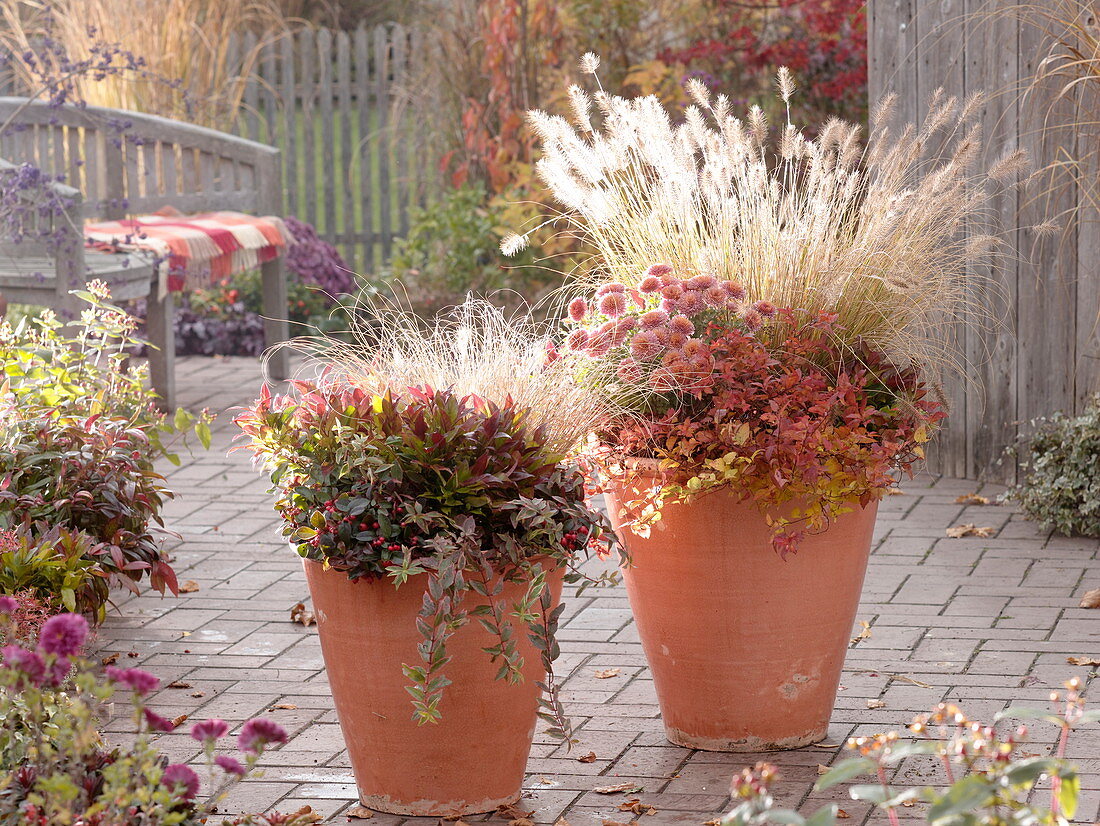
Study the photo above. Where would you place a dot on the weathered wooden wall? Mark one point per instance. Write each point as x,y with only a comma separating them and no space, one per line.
1041,351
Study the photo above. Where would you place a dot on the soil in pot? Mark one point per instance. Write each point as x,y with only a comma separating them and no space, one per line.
473,760
746,648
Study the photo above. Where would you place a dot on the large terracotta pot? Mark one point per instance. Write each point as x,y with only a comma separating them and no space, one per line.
745,648
473,760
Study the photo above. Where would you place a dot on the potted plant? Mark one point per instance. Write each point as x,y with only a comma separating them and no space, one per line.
764,318
422,479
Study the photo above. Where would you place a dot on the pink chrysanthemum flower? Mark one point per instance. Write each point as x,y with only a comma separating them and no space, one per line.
613,287
659,269
672,292
715,296
752,319
765,308
183,778
734,290
701,282
578,309
577,340
662,335
599,343
210,730
627,323
230,765
676,339
29,663
653,319
257,733
692,303
8,605
681,324
63,634
649,284
629,371
618,332
645,345
138,681
663,381
693,347
613,305
156,722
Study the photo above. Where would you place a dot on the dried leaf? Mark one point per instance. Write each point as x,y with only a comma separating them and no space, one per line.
1082,661
509,811
359,812
637,807
822,769
621,787
521,821
307,815
864,634
587,758
843,815
895,492
299,614
198,693
619,823
278,706
179,721
110,659
607,673
972,499
908,804
189,586
1091,599
179,684
561,821
970,529
876,704
715,822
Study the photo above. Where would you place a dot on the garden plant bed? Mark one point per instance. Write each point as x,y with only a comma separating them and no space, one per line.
979,621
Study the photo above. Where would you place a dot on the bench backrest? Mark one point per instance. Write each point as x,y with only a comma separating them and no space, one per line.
127,163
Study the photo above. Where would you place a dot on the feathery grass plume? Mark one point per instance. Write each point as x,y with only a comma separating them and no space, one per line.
475,348
872,233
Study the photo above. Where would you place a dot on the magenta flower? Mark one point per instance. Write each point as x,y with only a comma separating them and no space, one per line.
649,284
578,309
752,319
30,663
8,605
599,343
613,305
733,290
182,778
156,722
701,282
140,682
58,672
681,324
692,302
659,269
209,730
63,635
257,733
765,308
645,345
577,339
613,287
230,765
653,319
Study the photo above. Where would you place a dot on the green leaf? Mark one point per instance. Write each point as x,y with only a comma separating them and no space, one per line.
1029,770
964,795
68,597
825,816
202,430
845,771
1068,790
1028,713
785,816
883,796
182,419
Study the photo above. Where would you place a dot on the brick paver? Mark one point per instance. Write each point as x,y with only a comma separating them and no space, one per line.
981,622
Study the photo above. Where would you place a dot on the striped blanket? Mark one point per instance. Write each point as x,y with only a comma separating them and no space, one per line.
199,249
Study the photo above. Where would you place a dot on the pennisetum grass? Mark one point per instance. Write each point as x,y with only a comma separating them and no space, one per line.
871,231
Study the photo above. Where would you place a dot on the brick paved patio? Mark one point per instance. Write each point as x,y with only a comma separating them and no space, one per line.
976,621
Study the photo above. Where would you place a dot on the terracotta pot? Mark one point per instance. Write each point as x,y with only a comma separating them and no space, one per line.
473,760
745,648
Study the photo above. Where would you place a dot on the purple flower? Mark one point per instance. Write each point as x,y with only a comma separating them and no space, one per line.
156,722
30,663
230,765
58,672
8,605
257,733
63,635
141,682
209,730
182,778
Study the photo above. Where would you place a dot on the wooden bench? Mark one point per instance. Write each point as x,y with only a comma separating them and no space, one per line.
117,164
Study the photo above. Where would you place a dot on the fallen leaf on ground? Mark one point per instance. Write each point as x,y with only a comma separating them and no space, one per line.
509,811
843,815
910,680
619,823
972,499
824,745
521,821
621,787
970,529
561,821
822,768
189,586
278,706
198,693
908,804
715,822
1091,599
607,673
179,721
895,492
1082,661
876,704
359,812
299,614
637,807
110,659
587,758
307,815
864,634
179,684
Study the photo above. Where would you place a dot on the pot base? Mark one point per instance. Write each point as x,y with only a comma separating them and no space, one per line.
434,808
743,744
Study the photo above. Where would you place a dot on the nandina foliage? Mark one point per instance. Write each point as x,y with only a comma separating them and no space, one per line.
761,400
424,481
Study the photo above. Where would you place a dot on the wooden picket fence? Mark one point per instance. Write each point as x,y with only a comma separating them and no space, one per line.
335,103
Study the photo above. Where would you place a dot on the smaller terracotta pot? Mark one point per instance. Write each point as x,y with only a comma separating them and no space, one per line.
473,760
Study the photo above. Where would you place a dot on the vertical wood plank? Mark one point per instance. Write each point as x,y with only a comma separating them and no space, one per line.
382,66
289,93
401,143
1087,378
328,155
365,105
307,205
347,151
269,103
251,93
170,163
